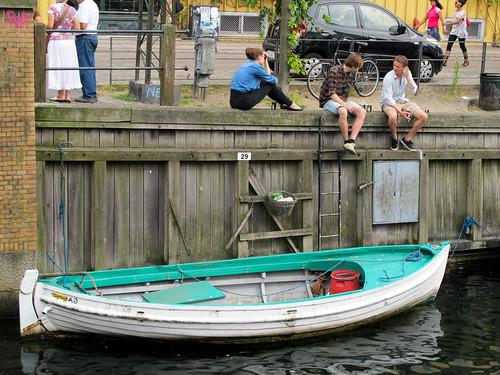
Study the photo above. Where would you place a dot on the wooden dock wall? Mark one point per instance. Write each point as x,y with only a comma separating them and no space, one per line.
151,185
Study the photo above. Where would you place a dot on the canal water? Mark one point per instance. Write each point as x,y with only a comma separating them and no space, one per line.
459,333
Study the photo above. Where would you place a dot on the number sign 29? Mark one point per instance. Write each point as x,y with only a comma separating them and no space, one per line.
244,156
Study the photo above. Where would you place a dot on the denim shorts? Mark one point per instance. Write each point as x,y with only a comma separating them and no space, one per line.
333,106
434,32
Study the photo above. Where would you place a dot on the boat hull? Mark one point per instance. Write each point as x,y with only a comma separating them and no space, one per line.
59,310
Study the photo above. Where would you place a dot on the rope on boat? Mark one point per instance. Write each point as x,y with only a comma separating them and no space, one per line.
467,227
93,282
182,272
62,212
413,257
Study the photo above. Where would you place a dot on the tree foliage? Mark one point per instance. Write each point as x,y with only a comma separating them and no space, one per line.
299,19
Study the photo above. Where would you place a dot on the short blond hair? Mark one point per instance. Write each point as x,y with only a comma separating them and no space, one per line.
402,60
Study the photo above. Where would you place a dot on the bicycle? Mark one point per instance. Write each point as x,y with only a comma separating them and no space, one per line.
365,80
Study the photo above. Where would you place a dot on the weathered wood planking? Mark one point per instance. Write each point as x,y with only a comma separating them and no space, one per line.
128,168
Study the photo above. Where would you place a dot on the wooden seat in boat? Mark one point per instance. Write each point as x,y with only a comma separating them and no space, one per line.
186,293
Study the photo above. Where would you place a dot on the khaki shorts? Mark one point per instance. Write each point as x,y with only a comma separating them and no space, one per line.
403,106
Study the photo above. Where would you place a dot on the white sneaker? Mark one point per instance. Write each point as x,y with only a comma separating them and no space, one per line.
349,147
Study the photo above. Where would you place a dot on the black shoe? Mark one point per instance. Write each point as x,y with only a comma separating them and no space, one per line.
81,99
407,144
394,144
288,108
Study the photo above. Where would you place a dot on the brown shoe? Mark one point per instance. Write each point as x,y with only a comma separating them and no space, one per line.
81,99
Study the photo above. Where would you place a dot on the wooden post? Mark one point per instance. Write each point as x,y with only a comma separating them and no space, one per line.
364,233
149,43
475,197
167,74
40,63
41,190
99,216
283,70
306,181
242,190
424,203
173,240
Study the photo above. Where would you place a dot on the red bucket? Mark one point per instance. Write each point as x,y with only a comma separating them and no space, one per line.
344,281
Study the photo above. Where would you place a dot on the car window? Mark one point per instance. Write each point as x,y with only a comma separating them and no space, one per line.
323,14
343,14
376,19
338,14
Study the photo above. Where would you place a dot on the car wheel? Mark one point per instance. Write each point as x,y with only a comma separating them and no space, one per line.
427,69
310,59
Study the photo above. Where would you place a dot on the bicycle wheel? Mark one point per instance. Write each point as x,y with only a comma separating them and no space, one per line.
316,76
366,79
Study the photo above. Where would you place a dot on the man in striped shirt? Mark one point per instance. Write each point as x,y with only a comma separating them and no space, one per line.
334,94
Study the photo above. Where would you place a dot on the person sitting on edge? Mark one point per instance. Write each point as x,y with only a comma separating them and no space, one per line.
333,96
253,81
393,102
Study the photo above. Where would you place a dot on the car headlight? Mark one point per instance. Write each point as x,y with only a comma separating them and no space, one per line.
433,40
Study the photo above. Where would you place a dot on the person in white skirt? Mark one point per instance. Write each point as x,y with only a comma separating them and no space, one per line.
61,51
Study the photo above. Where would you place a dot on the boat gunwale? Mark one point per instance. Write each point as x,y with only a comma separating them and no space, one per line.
207,269
257,306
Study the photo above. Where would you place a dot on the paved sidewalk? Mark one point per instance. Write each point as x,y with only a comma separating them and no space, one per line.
119,51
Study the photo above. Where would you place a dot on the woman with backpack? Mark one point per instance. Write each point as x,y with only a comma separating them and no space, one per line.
458,31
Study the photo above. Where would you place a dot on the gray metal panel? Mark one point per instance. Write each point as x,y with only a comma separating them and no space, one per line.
395,192
407,191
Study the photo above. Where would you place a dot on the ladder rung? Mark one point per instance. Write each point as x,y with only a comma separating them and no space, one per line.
331,193
337,214
330,236
330,172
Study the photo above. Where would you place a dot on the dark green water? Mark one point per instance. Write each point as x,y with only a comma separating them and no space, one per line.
459,333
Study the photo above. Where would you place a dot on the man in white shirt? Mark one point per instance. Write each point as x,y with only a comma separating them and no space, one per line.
86,45
394,103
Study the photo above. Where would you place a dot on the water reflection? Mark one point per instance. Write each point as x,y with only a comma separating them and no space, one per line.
458,334
405,340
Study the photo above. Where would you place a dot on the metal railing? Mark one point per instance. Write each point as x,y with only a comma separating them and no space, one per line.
165,66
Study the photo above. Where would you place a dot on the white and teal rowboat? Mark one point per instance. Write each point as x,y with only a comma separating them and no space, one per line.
240,300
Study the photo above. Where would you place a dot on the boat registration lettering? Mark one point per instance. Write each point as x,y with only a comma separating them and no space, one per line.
65,298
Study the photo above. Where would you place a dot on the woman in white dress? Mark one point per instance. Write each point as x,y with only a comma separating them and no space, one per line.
61,51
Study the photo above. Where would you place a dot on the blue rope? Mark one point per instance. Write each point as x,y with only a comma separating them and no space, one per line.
413,257
62,212
467,226
53,261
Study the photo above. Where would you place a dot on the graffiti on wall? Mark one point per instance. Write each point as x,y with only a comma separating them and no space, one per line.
18,21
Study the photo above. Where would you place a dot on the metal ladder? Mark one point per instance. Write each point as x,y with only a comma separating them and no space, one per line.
329,193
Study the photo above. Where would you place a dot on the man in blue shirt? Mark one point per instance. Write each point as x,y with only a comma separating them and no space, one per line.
394,102
253,81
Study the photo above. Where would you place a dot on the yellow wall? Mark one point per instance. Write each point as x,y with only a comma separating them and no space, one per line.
43,7
476,9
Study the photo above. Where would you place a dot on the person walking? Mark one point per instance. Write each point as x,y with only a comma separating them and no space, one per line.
433,15
394,102
253,81
334,94
458,27
61,51
86,45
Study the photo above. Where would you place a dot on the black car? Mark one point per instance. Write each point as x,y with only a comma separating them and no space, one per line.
386,36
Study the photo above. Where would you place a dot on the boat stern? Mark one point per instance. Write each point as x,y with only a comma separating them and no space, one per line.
29,323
